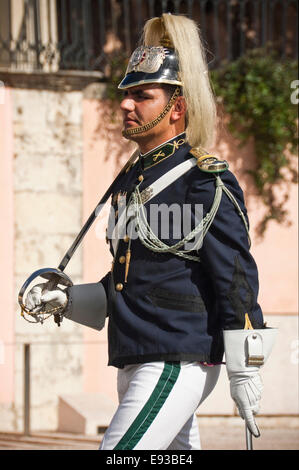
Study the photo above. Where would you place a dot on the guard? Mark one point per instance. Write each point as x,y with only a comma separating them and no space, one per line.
183,286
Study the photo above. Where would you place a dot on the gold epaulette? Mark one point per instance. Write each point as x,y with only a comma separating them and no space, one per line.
207,162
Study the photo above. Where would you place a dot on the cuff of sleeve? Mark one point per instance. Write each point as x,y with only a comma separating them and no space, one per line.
87,305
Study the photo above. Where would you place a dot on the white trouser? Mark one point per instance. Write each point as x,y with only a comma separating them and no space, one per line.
157,406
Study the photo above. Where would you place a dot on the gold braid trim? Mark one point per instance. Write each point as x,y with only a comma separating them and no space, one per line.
150,125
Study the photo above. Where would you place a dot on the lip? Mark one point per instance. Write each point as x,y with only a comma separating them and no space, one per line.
130,121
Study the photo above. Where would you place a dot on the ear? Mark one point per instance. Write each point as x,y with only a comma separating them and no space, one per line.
179,109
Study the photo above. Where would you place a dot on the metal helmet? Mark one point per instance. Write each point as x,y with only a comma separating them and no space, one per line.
152,64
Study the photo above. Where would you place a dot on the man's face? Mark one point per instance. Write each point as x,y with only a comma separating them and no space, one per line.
142,104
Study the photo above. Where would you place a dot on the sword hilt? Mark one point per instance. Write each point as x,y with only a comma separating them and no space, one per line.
52,284
54,276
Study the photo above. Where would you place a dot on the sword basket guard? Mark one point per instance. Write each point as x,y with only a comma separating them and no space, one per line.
54,276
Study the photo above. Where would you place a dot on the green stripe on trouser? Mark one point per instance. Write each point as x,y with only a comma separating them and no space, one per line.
152,407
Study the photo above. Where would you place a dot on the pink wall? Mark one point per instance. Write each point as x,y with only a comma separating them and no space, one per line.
277,260
6,252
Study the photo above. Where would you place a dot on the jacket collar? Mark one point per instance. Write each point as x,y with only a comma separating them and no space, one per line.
162,151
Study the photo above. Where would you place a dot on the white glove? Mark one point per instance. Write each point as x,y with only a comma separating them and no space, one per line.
246,391
245,352
40,297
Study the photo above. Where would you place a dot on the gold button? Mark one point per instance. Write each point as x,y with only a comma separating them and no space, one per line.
119,287
122,259
140,178
126,238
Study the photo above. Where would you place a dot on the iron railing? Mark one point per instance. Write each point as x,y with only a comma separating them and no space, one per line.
53,35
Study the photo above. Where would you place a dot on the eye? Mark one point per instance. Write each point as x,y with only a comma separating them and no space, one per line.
142,96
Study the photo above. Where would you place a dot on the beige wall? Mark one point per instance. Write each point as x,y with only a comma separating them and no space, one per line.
7,319
43,179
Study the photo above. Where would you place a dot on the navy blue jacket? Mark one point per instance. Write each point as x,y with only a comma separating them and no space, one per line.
173,308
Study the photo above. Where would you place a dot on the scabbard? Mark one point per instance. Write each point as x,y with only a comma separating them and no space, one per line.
249,445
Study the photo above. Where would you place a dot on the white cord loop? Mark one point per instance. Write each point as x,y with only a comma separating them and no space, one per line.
153,243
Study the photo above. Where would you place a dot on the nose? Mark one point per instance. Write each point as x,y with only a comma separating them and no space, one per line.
127,104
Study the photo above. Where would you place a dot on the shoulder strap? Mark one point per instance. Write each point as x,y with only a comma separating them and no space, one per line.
207,162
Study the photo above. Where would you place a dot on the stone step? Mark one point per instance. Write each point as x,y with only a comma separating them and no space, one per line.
85,413
48,440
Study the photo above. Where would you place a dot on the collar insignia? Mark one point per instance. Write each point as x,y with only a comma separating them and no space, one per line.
164,151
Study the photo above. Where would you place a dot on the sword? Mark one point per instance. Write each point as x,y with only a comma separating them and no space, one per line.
56,275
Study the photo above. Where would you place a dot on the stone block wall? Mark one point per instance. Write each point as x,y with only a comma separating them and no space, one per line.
47,134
